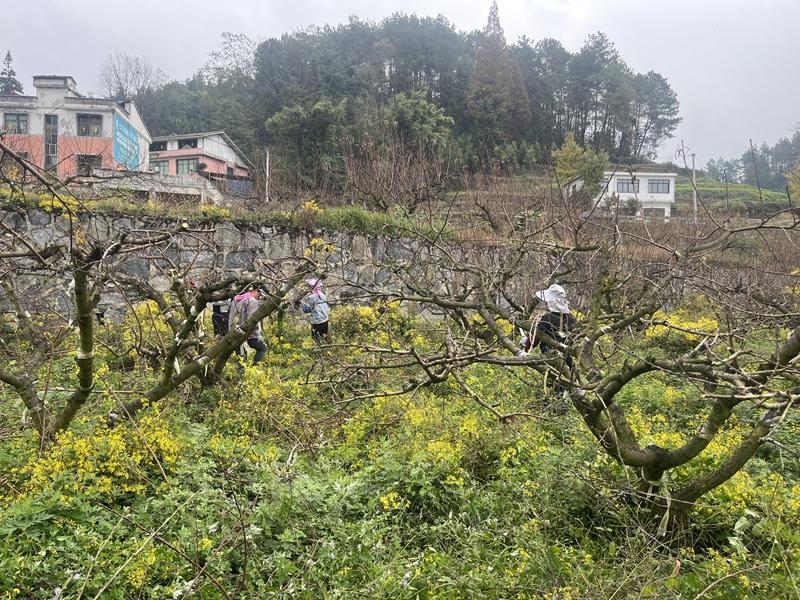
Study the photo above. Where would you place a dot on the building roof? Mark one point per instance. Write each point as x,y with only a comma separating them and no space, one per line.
204,134
647,169
17,97
183,136
628,169
54,77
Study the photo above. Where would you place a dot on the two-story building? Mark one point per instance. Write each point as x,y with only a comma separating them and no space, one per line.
61,130
212,153
646,191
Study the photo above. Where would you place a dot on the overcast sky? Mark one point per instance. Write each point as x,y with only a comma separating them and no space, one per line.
733,63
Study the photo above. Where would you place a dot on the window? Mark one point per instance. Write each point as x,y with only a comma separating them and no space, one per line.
87,162
50,141
658,186
90,125
186,165
229,171
190,143
16,123
160,166
158,147
627,186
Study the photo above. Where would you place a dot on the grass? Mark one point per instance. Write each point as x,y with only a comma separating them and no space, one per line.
423,495
738,196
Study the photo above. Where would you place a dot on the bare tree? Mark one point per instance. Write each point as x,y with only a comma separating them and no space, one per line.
388,173
232,61
125,76
54,291
623,276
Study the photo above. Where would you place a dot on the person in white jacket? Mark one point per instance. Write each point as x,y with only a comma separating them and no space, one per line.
315,306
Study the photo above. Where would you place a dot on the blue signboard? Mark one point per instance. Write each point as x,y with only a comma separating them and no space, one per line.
126,144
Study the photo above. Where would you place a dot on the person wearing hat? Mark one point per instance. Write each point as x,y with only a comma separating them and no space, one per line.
315,307
242,308
555,323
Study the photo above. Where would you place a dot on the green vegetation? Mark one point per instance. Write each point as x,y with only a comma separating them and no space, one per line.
571,161
737,197
507,103
767,166
269,487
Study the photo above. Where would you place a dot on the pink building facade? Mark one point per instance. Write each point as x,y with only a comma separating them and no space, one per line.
60,130
212,153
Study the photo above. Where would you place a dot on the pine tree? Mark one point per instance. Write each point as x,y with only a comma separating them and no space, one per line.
9,84
497,104
520,103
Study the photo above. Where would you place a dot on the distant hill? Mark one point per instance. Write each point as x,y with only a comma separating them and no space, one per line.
739,198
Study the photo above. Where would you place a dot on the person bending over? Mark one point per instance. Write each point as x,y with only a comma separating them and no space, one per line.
242,308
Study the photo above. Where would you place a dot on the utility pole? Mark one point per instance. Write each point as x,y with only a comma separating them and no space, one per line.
727,196
694,190
266,177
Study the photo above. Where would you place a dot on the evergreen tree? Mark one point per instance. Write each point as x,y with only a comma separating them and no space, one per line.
498,97
493,99
722,170
9,84
306,137
520,103
655,113
418,124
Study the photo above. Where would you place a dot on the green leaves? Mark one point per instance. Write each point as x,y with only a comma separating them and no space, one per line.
572,160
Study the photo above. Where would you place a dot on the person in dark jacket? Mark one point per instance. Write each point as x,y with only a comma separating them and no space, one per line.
219,317
555,324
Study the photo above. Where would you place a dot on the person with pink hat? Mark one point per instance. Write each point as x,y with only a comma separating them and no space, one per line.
244,305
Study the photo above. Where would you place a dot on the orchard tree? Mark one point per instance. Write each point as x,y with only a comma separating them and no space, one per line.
54,290
712,308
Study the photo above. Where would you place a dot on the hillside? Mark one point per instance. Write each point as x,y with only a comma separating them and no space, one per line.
739,198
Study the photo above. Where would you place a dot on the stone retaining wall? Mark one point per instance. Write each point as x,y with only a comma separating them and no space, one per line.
358,265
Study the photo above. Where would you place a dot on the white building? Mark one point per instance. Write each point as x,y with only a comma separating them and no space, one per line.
643,191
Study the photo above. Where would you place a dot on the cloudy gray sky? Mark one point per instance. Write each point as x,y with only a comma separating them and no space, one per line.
733,63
